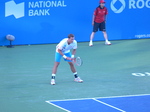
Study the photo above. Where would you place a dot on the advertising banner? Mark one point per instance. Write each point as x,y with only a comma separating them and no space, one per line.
49,21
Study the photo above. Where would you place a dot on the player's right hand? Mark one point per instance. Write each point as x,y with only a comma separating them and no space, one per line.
92,23
68,58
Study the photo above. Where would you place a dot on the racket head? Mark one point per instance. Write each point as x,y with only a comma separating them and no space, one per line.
78,61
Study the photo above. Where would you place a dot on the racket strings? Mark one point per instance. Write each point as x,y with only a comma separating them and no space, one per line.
78,61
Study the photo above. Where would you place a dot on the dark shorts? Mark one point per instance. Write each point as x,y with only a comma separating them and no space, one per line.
100,26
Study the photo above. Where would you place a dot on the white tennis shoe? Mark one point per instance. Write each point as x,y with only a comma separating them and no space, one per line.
90,43
78,79
108,43
52,81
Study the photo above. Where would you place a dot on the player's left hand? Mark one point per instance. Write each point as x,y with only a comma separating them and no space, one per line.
72,57
68,58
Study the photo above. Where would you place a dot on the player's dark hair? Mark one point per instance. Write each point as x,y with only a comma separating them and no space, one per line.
70,35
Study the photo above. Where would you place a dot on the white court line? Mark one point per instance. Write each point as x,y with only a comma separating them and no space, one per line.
58,106
95,100
100,97
109,105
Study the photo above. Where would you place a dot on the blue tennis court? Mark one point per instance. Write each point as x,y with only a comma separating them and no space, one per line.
117,70
131,103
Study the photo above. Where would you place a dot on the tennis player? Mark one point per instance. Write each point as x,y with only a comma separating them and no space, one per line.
98,22
63,50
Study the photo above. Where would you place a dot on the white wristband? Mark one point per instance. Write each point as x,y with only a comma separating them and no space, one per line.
64,56
72,56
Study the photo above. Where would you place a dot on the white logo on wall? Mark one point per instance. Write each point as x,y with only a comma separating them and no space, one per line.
132,4
11,8
113,2
37,8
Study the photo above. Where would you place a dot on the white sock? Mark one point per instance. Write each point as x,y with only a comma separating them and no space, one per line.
53,76
75,73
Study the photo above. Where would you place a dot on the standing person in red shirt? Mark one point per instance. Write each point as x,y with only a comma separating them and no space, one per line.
98,22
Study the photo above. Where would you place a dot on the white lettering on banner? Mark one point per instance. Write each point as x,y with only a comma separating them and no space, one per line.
143,36
41,12
46,4
37,8
39,5
139,4
148,3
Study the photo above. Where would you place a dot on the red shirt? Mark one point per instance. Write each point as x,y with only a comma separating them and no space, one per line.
100,14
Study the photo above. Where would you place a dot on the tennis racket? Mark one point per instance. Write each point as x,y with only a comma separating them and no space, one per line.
77,61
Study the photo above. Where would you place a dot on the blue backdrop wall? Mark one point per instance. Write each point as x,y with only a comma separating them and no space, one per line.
49,21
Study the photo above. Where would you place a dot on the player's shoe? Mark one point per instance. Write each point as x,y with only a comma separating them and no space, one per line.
78,79
52,81
90,43
108,43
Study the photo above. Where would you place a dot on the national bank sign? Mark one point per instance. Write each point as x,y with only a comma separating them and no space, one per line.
38,8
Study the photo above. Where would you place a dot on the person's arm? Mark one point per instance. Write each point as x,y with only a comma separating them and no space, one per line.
105,15
60,52
73,53
64,56
93,19
105,18
94,14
